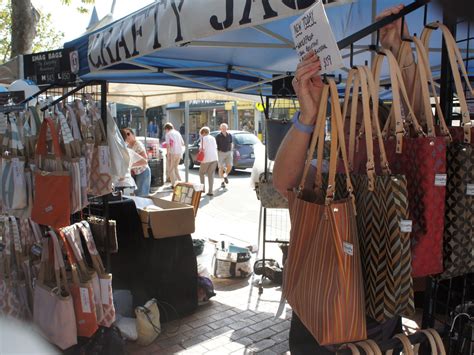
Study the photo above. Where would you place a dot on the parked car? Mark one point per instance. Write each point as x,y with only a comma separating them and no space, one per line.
244,155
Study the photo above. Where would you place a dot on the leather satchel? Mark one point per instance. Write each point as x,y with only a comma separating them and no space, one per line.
323,276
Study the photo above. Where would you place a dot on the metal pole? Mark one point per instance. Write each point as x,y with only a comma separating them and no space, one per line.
186,140
446,81
105,198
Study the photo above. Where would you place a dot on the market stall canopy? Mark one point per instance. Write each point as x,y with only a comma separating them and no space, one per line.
147,96
229,46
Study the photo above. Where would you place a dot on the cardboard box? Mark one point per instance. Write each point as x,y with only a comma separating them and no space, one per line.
171,219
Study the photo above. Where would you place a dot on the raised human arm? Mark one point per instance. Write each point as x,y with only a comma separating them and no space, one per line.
291,156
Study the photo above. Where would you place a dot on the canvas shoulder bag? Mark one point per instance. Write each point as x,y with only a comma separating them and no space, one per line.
52,204
53,304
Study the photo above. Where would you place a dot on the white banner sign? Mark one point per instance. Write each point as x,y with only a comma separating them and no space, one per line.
168,23
312,32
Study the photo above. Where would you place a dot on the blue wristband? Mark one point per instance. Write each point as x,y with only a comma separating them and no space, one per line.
305,128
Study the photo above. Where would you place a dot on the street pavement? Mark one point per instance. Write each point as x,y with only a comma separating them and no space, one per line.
238,320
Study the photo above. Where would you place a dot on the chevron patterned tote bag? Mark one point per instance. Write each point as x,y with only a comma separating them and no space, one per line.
382,206
323,277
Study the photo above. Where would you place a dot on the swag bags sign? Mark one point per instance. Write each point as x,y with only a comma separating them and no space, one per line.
167,23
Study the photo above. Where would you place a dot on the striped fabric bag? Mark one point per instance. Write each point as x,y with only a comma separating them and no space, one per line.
323,276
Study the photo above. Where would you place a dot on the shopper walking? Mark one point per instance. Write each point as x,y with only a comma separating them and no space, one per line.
140,170
175,150
291,157
224,152
209,164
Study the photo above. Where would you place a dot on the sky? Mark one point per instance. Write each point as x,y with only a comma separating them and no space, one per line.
73,24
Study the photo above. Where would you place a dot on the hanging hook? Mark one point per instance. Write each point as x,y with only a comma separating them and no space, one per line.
352,55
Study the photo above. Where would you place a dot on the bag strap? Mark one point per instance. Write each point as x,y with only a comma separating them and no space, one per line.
438,340
374,96
70,257
399,92
456,62
407,348
320,123
59,267
424,63
426,114
41,145
96,259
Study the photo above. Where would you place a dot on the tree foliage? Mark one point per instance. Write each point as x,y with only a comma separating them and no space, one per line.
47,36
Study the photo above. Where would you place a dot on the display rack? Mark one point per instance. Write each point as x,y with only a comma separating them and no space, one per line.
98,90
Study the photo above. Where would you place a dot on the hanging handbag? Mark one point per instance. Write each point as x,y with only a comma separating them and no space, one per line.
10,304
82,290
148,322
72,163
268,195
459,215
88,274
382,208
52,204
277,123
119,156
423,161
100,182
105,278
200,154
13,183
53,304
97,225
323,277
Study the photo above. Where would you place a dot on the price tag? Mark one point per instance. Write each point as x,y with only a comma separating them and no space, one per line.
83,171
85,300
470,190
406,225
440,179
104,162
348,248
18,169
312,32
36,249
105,286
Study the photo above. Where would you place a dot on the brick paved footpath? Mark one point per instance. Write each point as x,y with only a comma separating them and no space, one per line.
236,321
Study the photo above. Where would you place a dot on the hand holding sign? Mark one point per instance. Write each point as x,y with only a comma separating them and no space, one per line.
312,33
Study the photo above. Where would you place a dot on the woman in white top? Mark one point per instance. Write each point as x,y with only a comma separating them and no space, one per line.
140,170
209,163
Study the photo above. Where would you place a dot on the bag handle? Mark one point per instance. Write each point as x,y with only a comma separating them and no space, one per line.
456,62
374,96
407,348
96,259
399,93
70,257
337,133
352,81
424,62
73,239
59,267
320,123
41,145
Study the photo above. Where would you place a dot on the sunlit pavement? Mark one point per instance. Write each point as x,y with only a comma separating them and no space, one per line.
237,320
